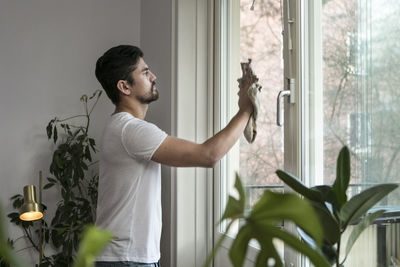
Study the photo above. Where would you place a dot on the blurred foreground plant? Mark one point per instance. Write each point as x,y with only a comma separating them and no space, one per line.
261,224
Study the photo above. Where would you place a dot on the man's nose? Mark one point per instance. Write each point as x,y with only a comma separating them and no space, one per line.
153,76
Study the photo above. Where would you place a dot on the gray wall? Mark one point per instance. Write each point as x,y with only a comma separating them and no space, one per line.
48,49
156,45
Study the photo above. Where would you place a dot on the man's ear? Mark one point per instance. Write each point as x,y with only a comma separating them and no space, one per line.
123,87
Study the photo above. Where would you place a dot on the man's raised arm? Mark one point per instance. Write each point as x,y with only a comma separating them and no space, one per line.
182,153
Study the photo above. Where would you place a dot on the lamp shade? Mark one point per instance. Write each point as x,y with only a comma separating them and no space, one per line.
30,210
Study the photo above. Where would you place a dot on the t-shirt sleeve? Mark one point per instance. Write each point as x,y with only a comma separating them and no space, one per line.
141,139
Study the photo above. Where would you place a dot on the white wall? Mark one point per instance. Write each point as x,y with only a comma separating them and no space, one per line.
156,44
48,50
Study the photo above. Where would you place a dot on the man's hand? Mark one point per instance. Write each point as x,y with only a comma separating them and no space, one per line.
247,79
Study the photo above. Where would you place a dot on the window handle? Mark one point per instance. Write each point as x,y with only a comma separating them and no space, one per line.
281,94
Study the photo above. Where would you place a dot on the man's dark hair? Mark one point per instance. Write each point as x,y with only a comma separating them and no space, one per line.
117,64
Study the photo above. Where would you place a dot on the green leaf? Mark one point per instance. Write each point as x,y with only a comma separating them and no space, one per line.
87,154
49,129
26,224
17,201
93,95
52,180
330,253
92,141
55,135
359,228
14,217
235,207
58,161
16,196
268,253
361,203
237,252
342,176
330,226
274,207
261,224
294,183
84,98
314,255
93,242
47,186
327,194
92,144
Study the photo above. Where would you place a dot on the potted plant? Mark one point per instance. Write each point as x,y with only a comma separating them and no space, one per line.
73,174
321,216
335,211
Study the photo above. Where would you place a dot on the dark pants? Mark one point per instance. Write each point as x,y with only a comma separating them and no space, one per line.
125,264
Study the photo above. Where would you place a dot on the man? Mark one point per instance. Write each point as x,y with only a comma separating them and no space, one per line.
131,150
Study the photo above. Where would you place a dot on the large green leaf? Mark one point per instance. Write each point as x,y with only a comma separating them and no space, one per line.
328,195
237,252
329,224
93,242
261,224
342,176
361,203
268,255
235,207
294,183
360,227
274,207
314,255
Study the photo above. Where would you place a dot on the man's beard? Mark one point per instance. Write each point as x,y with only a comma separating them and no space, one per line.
152,96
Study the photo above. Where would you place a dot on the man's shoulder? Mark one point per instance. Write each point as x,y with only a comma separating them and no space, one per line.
124,123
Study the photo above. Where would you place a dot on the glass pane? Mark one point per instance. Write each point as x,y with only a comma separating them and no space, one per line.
255,34
361,96
261,40
360,103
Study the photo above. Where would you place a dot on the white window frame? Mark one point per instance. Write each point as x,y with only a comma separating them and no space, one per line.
225,33
191,105
293,131
195,191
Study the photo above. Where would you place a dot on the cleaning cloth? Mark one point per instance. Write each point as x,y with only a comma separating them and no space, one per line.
250,132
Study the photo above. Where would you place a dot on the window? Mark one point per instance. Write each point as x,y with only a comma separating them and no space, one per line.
254,34
353,99
257,36
358,97
344,62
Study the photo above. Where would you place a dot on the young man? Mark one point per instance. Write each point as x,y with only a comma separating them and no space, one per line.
131,150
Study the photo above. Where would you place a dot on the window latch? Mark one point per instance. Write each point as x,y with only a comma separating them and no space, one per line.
290,94
281,95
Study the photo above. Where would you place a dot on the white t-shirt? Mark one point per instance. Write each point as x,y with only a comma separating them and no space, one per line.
129,194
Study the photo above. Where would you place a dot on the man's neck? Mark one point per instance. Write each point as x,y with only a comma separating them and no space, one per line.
135,109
